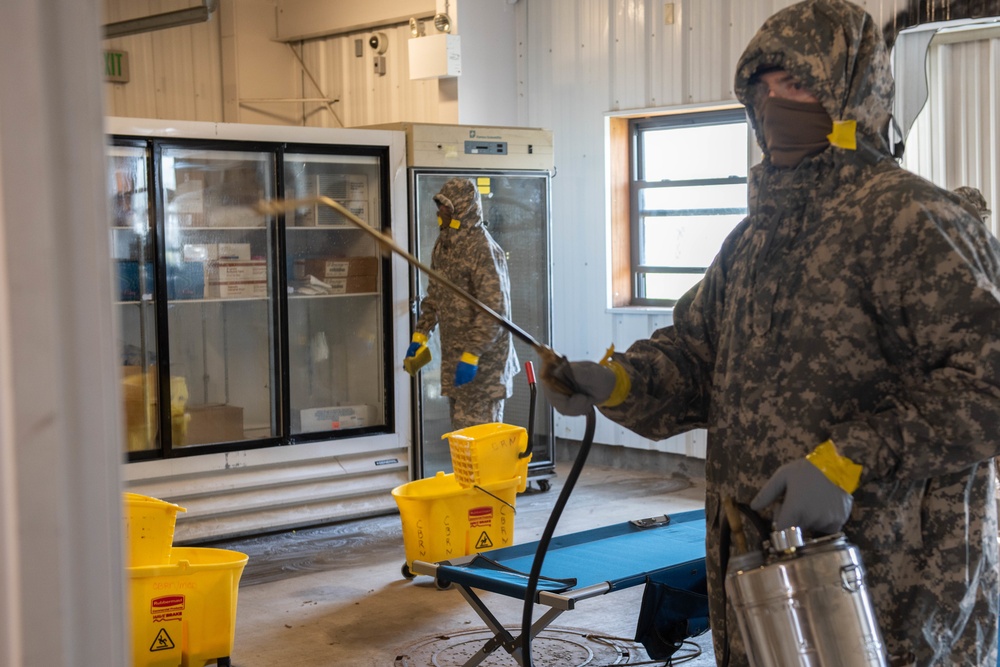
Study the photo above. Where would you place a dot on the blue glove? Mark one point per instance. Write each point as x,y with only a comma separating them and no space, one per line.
466,370
815,491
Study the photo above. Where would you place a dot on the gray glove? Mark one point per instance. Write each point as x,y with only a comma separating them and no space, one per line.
587,382
811,501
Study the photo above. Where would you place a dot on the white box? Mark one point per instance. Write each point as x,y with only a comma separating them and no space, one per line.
236,272
236,251
201,252
435,56
245,290
349,190
333,418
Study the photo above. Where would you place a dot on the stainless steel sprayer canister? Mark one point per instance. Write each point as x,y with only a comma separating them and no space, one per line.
805,602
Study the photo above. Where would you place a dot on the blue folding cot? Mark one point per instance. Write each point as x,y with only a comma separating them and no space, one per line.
577,566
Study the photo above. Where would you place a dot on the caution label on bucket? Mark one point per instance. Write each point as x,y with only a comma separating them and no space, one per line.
481,516
163,642
484,542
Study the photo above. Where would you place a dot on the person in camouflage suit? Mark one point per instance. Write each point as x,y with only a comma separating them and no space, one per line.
842,350
478,361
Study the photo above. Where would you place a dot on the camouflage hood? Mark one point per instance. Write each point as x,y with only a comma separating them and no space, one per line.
829,46
462,196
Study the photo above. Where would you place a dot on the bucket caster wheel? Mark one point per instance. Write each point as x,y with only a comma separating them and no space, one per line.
407,573
544,485
442,584
223,662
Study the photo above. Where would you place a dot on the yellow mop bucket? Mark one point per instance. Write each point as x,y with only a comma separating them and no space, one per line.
149,528
443,519
489,453
184,611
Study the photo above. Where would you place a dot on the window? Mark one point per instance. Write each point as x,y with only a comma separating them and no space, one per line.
687,190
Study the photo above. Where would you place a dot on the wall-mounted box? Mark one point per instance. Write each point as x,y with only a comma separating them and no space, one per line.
435,56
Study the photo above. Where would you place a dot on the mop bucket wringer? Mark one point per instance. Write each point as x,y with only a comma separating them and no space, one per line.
489,453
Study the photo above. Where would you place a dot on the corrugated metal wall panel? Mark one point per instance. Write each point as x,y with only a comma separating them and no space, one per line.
367,98
963,103
630,42
174,73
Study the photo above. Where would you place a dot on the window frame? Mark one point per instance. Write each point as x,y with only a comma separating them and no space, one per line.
624,185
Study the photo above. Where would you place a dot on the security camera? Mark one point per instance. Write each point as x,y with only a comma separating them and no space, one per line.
378,42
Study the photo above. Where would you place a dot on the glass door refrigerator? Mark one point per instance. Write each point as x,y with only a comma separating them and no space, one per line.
256,348
512,168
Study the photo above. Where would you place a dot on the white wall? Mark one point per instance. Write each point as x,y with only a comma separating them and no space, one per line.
487,89
962,98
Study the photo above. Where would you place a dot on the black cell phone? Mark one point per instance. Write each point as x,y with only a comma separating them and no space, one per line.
651,522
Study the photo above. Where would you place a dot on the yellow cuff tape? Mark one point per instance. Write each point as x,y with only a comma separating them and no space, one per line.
623,384
844,134
419,338
840,470
470,359
455,223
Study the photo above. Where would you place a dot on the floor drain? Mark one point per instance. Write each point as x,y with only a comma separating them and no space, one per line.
554,647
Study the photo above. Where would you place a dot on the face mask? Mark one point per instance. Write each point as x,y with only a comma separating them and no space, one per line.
794,131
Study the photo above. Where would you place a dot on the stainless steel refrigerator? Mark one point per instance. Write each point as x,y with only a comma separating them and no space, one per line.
513,168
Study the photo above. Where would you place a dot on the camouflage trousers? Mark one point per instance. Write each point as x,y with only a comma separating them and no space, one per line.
473,410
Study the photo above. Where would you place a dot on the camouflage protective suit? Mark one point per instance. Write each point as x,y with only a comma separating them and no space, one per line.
974,198
860,303
470,258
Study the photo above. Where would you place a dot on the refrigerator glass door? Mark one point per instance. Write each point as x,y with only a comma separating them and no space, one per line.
336,366
132,250
516,211
219,288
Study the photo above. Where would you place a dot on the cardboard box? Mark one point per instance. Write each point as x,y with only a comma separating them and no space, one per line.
341,267
214,422
353,285
243,290
334,418
225,271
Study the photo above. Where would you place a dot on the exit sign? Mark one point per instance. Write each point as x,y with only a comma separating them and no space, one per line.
116,66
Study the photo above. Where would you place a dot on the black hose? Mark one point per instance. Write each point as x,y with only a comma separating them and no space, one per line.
550,527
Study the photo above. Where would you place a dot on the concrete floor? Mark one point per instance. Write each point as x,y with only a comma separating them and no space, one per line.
335,595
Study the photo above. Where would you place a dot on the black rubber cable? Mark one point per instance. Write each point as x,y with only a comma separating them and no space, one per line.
550,527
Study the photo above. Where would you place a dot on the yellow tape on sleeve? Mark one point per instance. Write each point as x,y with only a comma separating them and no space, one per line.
419,338
840,470
623,383
469,358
